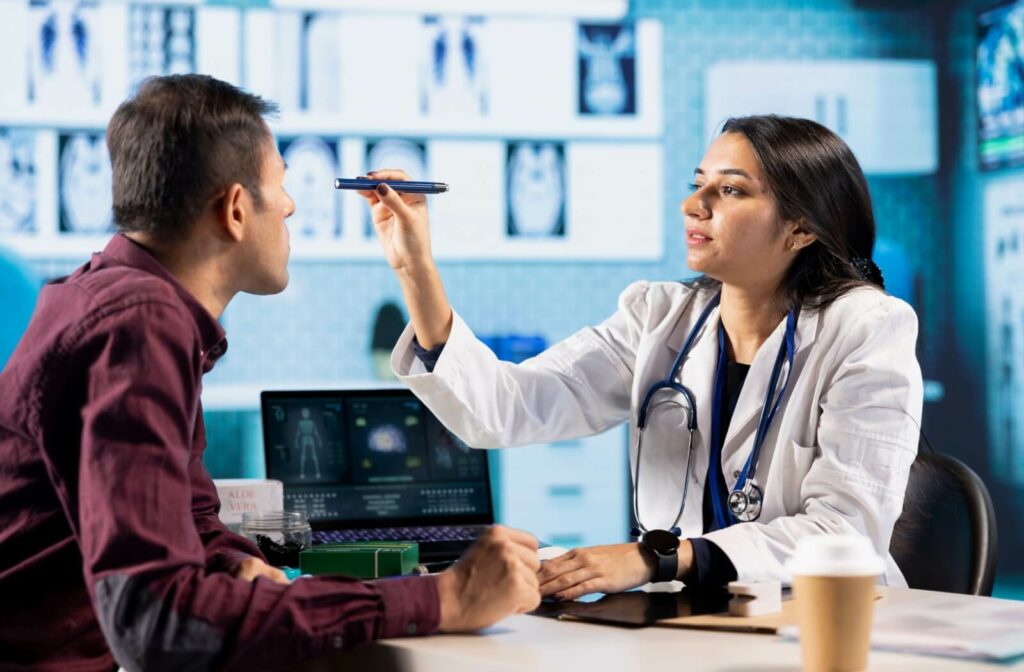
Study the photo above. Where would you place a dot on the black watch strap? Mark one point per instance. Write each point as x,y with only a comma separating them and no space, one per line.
668,565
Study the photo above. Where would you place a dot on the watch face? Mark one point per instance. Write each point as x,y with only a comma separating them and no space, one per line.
662,542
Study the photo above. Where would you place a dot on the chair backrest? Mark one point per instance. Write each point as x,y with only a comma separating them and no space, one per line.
945,539
19,288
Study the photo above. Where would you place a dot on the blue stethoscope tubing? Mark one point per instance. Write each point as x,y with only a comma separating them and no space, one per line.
746,495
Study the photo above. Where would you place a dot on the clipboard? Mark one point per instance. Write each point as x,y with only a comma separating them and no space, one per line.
683,609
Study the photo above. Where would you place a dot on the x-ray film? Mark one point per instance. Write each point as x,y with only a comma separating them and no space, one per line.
85,184
312,166
454,77
64,54
17,181
536,190
1004,228
408,155
161,40
607,70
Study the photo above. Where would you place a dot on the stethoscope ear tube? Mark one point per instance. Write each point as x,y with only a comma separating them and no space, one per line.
745,501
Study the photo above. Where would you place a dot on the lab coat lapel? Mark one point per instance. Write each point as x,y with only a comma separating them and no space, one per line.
697,373
739,440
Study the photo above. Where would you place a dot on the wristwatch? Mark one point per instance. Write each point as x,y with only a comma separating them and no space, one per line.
664,546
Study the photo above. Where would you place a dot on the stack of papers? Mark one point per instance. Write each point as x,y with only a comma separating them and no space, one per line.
945,624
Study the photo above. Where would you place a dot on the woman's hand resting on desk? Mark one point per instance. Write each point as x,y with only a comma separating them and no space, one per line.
601,569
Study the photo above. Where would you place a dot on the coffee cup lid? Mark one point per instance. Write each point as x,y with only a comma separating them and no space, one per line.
835,555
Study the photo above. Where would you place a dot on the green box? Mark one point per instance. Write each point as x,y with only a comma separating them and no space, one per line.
361,559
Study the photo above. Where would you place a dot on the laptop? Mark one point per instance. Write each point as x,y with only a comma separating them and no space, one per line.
376,465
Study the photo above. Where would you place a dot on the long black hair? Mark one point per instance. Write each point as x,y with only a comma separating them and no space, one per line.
815,179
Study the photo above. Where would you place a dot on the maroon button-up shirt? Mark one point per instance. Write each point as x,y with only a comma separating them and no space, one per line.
110,545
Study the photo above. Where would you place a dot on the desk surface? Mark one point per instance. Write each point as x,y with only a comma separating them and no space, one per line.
533,643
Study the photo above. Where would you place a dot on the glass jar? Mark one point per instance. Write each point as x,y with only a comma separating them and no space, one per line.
280,535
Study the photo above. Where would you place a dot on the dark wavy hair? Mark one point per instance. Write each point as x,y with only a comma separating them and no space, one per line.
814,177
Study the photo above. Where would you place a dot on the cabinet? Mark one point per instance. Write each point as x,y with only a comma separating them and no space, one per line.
569,493
884,109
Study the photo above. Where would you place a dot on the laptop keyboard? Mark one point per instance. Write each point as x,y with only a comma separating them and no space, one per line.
417,534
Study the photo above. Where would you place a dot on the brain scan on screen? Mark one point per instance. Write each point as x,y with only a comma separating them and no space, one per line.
387,439
536,189
64,53
17,181
85,184
312,166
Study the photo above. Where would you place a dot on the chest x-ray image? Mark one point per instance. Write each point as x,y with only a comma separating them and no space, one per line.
64,53
17,181
161,41
85,184
409,155
312,166
453,72
607,70
536,190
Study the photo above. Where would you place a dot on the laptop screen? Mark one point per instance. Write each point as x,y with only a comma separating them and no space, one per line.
371,458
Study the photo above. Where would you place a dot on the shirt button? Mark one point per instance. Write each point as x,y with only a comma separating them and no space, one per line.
216,350
337,641
736,474
411,629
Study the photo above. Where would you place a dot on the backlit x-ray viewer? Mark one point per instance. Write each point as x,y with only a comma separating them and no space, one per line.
776,396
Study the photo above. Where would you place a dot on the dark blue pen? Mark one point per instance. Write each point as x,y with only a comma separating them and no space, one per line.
364,184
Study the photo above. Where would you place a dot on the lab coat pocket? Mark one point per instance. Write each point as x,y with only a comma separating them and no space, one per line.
801,458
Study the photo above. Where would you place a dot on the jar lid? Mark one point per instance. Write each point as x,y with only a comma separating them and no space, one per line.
275,520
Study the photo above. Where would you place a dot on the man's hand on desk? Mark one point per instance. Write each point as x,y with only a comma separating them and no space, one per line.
602,569
495,578
252,568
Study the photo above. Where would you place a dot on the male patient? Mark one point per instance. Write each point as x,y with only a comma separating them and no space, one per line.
110,546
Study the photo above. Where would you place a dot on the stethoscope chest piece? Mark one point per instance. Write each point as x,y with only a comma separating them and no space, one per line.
745,504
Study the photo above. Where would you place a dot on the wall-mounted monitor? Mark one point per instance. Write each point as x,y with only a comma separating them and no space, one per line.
1000,86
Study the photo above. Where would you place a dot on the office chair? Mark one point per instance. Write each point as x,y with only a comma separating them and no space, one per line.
19,287
945,539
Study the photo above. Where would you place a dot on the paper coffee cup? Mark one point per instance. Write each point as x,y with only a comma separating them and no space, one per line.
834,579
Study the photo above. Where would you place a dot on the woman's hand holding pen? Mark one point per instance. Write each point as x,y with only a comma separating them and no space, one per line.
401,222
402,226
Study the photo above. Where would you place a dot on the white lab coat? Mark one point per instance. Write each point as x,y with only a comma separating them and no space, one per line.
836,458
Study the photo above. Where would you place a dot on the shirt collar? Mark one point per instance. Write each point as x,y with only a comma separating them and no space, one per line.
126,251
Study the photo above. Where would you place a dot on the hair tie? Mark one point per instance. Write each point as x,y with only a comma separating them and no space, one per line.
868,270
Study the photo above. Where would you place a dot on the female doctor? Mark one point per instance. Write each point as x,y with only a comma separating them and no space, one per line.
777,396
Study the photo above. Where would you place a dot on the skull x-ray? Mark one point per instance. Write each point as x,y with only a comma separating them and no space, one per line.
607,70
17,181
454,78
312,166
64,53
409,155
536,190
85,184
161,41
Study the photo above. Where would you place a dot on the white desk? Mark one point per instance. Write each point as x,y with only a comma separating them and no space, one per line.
533,643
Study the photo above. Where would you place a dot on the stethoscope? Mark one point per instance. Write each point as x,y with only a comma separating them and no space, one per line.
744,502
